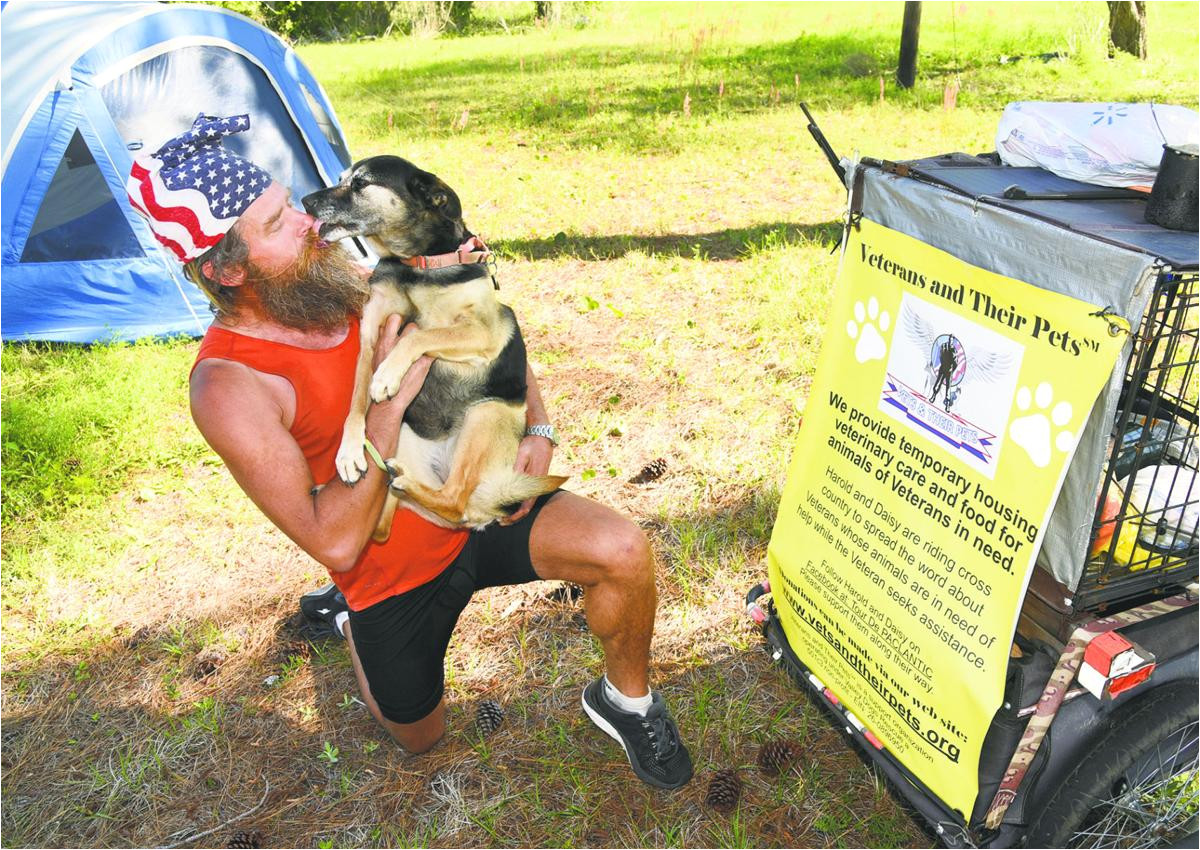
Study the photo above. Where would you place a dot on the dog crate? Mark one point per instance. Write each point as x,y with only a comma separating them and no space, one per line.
1145,530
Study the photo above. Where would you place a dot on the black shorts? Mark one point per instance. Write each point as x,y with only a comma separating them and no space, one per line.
401,641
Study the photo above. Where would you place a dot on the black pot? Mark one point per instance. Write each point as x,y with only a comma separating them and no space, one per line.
1173,200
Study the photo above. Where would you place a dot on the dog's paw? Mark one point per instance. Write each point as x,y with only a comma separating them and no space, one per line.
351,458
1036,432
385,384
351,466
399,478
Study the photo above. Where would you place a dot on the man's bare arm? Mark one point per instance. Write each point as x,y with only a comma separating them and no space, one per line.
244,424
535,408
534,453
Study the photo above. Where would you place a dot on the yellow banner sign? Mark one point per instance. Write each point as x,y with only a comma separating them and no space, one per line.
947,403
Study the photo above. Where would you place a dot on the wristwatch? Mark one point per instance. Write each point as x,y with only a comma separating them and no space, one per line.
546,431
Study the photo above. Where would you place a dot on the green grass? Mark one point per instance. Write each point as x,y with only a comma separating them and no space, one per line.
621,85
79,421
672,272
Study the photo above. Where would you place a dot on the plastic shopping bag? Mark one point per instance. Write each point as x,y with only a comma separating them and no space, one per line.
1108,144
1164,517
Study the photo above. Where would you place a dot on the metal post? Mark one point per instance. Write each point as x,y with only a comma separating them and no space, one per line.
906,73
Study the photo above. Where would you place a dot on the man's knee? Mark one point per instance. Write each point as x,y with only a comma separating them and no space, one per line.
623,552
418,737
418,742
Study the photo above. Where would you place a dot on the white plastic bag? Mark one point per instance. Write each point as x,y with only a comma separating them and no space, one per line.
1166,497
1108,144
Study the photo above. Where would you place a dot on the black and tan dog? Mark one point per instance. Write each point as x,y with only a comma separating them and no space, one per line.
454,459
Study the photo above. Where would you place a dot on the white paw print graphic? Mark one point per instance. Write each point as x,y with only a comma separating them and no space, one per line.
1033,432
871,345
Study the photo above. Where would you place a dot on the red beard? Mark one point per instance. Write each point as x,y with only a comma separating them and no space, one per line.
316,293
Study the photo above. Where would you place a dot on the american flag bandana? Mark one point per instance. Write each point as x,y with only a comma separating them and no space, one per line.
192,190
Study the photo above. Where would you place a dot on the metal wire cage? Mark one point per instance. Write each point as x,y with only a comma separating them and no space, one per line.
1145,529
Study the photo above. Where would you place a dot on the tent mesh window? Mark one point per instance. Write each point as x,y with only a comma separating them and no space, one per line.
328,130
161,97
79,218
1145,529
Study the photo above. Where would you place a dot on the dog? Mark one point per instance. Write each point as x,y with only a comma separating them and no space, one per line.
453,461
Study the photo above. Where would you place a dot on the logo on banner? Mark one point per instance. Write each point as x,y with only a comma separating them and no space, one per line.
951,381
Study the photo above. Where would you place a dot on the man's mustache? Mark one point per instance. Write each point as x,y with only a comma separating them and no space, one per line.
312,251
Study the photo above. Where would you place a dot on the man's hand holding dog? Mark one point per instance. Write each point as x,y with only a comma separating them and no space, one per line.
533,458
534,453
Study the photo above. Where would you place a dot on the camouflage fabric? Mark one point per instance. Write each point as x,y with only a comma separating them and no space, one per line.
1056,689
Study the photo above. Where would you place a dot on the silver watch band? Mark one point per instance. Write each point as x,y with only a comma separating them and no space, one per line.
546,431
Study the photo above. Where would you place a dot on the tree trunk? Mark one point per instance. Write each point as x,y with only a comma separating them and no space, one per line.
541,9
458,13
1127,27
906,73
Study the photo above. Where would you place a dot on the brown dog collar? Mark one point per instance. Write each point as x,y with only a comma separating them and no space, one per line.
470,252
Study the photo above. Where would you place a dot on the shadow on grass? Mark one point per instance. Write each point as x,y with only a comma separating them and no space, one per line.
614,96
730,244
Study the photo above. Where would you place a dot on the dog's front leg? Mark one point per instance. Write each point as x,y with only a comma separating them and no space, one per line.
383,528
463,341
351,458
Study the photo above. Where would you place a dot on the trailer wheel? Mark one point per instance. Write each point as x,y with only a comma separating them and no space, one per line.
1137,788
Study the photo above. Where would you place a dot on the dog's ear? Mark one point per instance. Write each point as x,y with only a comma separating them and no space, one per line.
435,194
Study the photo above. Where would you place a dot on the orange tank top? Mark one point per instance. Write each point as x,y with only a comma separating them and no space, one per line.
323,381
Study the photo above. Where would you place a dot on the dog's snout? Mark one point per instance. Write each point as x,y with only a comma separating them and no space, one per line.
333,219
312,202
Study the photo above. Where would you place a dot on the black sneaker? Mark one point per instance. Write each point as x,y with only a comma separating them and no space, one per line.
651,743
320,608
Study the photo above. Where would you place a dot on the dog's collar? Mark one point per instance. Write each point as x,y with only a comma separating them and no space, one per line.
470,252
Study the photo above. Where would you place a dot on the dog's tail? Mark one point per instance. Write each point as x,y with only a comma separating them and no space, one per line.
499,495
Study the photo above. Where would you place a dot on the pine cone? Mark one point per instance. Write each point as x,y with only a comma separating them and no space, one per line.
777,757
488,716
246,839
208,660
652,471
724,790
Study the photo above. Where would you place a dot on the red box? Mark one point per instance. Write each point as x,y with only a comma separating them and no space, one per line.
1103,649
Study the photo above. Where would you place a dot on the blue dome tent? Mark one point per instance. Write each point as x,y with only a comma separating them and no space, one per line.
86,86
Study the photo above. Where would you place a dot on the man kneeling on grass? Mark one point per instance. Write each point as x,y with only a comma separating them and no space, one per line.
270,391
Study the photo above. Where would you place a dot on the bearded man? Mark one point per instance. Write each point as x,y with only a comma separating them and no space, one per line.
270,391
